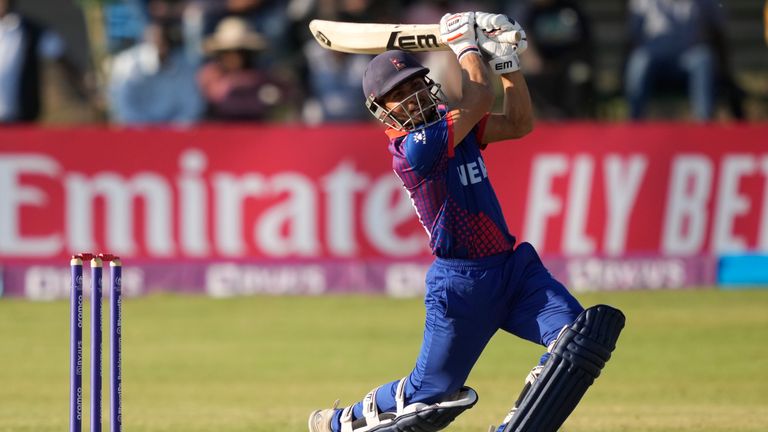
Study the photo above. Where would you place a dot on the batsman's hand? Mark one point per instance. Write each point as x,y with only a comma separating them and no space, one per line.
458,32
496,25
502,57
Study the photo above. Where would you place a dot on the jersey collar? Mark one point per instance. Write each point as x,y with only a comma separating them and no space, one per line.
394,133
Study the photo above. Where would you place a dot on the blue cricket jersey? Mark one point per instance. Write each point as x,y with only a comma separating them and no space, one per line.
450,190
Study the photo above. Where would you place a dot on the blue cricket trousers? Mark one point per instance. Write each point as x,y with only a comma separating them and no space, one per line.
466,302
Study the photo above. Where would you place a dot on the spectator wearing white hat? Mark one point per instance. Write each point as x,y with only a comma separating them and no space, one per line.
234,88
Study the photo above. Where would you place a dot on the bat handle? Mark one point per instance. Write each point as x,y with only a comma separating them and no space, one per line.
510,37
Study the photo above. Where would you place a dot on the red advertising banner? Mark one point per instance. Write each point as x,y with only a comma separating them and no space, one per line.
670,189
329,193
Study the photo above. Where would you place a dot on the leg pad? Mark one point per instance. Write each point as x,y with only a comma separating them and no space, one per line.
578,356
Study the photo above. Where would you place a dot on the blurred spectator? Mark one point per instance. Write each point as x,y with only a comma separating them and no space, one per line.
367,10
232,85
677,41
442,65
765,22
335,85
24,46
334,79
168,11
267,17
124,22
153,82
559,62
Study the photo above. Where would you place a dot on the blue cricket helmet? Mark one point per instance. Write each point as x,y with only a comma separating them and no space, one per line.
389,69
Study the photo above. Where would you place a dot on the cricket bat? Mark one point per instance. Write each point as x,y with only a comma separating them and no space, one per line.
361,38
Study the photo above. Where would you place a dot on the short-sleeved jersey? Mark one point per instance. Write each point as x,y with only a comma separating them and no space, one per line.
450,189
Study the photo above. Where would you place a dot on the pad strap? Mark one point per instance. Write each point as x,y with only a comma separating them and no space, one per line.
415,417
419,417
346,419
400,395
370,411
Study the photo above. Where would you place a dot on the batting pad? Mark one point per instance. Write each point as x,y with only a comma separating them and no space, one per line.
418,417
578,357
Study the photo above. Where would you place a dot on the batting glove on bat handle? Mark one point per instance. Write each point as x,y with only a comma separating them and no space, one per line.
503,28
502,57
490,21
458,32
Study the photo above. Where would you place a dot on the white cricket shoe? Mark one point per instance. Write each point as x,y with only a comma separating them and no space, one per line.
320,420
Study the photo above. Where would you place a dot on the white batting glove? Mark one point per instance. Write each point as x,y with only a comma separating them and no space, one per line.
489,21
503,57
458,32
498,25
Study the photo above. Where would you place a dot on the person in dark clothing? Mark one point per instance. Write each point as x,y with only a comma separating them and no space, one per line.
675,44
560,68
24,45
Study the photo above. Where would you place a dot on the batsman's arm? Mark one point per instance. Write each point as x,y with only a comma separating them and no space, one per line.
516,118
458,32
476,97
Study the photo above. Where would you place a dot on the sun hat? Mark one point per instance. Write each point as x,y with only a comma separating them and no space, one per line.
233,33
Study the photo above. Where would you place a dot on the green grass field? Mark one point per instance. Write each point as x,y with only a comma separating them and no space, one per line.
687,361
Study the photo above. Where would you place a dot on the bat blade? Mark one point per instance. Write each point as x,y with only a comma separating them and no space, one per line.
360,38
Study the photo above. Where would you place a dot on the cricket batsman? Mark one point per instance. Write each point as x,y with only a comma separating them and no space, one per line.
480,281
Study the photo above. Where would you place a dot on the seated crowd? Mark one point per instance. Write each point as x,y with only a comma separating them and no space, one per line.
187,61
